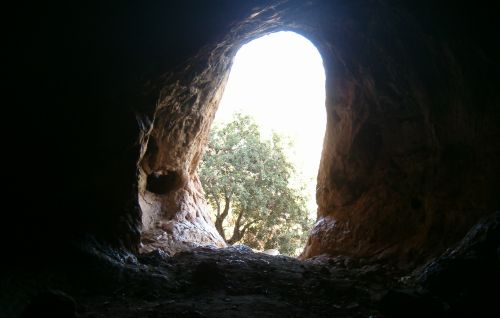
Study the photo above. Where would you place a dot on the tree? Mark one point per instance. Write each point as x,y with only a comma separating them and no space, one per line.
247,183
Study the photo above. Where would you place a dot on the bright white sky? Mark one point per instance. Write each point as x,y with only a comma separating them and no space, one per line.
279,79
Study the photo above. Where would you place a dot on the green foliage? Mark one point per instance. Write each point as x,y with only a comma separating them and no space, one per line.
246,180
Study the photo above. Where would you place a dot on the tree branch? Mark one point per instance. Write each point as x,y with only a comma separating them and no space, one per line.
216,199
227,204
237,224
237,233
219,220
246,226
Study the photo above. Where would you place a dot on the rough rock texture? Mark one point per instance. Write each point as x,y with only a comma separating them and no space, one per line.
411,151
177,221
466,274
230,282
412,142
410,160
236,282
170,191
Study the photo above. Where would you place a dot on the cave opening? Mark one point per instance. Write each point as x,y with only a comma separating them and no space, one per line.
260,168
276,82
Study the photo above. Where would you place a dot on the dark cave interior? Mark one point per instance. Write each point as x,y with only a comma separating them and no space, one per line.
112,102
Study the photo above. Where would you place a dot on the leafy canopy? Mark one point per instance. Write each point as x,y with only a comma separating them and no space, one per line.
247,184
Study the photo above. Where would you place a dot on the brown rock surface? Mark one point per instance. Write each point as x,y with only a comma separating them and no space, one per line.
410,161
411,145
100,281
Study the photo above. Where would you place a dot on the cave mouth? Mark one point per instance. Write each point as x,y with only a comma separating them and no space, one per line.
282,87
276,82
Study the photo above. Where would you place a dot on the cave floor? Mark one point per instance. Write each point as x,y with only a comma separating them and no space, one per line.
94,280
236,282
229,282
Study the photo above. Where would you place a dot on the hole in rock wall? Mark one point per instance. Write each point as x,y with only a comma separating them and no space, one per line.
260,168
160,183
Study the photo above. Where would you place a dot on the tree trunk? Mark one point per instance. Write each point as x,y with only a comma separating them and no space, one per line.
237,233
220,218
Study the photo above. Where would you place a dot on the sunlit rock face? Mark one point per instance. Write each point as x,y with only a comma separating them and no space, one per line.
409,158
174,212
412,141
177,221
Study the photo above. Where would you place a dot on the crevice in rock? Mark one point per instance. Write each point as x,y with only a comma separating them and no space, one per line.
163,183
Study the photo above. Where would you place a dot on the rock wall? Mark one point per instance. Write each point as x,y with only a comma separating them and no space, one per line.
409,159
411,152
412,139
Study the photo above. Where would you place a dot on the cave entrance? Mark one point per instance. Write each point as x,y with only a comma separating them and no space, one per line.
259,172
